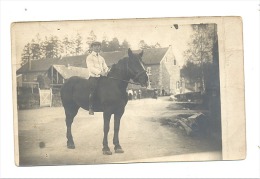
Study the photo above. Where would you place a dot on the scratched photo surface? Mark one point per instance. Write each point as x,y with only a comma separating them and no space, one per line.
160,100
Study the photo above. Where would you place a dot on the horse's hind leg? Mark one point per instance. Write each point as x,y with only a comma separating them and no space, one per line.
117,119
70,112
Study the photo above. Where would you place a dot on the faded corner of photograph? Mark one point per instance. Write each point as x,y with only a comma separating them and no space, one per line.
117,91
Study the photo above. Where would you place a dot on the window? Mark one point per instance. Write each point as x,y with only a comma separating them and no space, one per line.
149,71
177,85
174,62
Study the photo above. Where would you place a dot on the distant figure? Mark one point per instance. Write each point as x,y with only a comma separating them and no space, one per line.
135,95
163,92
130,94
155,94
139,94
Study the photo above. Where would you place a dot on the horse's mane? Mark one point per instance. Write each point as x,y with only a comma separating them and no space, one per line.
121,61
119,65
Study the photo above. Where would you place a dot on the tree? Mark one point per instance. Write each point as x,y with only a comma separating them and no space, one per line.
143,45
78,44
104,44
157,45
91,38
201,45
51,47
67,46
26,54
125,45
114,45
35,50
191,71
200,50
37,47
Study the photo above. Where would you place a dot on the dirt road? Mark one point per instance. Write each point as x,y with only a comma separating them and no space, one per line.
143,138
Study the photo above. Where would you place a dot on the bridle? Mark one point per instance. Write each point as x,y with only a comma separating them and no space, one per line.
136,76
132,73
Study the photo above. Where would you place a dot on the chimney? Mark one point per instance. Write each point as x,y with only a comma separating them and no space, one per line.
30,64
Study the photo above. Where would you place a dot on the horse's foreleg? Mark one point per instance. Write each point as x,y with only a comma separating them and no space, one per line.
106,116
117,118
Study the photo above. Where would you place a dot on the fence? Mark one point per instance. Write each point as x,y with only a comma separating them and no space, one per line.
36,98
45,97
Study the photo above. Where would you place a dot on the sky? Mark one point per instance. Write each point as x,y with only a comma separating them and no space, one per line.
131,30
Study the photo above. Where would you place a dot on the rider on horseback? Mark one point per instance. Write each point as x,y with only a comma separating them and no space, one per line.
97,67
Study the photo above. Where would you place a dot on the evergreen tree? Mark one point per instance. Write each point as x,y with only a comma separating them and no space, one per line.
125,45
104,46
26,54
35,50
91,38
78,45
143,45
114,45
51,47
68,47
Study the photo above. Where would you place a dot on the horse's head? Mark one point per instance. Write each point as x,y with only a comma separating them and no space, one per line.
136,68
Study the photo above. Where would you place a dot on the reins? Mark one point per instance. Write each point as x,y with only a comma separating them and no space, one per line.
124,80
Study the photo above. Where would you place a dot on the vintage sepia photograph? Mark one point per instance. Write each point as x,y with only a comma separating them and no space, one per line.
119,91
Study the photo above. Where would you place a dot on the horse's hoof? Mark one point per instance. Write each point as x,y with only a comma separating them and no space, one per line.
107,152
119,151
71,146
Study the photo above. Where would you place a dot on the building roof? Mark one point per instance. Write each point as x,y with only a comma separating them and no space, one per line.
45,64
113,57
68,71
37,65
153,56
150,57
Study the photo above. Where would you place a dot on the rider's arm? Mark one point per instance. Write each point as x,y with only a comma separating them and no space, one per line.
104,66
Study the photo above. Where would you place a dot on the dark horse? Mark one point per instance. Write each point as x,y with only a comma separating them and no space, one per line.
111,96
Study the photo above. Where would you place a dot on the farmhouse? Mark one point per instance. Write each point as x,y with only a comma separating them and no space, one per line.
160,63
33,68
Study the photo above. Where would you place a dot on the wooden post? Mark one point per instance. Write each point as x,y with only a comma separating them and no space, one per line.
57,77
40,95
52,75
50,97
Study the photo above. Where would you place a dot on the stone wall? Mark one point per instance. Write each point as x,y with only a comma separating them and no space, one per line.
154,77
165,78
